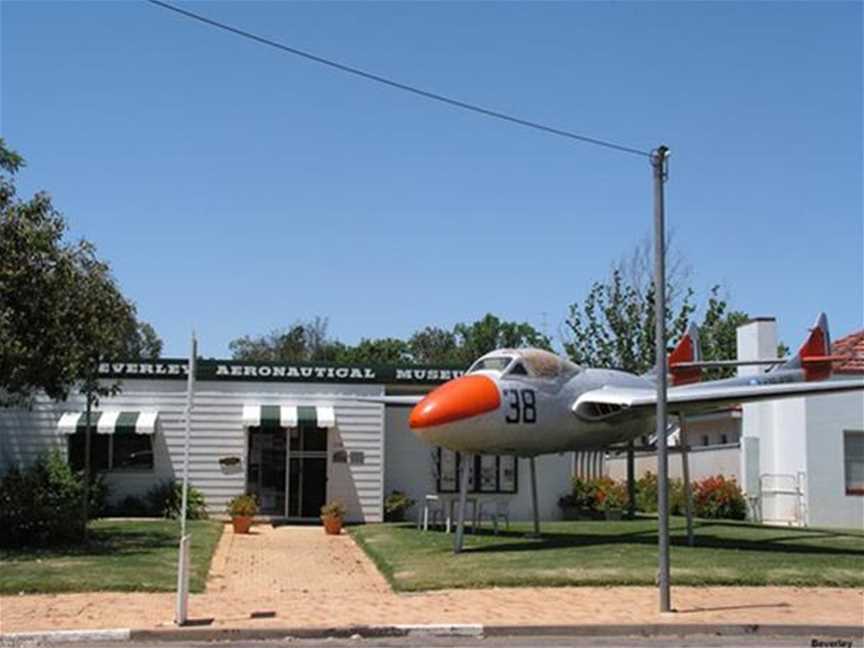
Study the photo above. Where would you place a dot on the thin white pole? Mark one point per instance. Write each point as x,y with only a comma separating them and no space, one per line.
182,608
190,399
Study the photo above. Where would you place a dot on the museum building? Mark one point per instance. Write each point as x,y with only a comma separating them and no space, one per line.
288,433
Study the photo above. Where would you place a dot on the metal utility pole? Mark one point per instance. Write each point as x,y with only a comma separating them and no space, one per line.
659,158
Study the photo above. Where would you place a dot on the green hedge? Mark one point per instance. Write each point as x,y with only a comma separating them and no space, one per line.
41,505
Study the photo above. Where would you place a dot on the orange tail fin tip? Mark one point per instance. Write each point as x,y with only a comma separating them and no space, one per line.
815,353
687,350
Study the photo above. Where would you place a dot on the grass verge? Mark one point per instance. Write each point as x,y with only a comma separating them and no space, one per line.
120,556
615,553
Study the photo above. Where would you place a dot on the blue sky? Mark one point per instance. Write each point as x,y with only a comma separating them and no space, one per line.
235,189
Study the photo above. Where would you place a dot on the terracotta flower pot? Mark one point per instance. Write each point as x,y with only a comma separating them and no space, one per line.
241,523
332,524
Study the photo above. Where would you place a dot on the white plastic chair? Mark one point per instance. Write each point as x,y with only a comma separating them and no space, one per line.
432,510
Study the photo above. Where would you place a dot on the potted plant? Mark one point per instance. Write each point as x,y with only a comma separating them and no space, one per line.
395,506
331,515
579,503
242,509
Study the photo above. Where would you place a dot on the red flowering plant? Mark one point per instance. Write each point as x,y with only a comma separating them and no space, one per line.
717,497
610,495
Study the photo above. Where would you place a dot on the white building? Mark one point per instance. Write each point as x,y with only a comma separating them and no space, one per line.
283,432
802,459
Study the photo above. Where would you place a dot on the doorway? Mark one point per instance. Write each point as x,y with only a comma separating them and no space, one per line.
266,469
287,470
307,471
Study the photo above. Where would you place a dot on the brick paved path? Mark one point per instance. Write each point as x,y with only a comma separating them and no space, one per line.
297,576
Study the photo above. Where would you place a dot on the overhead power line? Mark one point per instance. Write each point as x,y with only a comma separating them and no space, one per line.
400,86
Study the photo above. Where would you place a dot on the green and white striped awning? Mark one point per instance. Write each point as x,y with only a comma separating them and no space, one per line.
110,422
288,416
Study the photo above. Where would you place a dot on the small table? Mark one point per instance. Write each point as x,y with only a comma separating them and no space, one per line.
449,502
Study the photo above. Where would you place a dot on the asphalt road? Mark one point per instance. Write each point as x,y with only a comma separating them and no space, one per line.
697,641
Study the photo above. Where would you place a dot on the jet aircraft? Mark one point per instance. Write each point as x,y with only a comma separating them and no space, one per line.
529,402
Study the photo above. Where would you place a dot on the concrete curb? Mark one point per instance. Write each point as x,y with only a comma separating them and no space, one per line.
435,630
676,629
64,636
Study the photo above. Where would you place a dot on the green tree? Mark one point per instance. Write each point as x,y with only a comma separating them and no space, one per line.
303,341
434,346
614,325
490,333
309,342
381,351
60,307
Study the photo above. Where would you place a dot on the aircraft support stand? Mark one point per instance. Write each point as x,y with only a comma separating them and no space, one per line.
459,536
631,479
685,471
531,462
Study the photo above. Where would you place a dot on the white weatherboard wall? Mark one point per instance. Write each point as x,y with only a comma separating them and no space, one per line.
827,419
410,470
217,431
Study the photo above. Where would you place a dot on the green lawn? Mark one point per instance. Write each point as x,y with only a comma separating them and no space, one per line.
615,553
120,556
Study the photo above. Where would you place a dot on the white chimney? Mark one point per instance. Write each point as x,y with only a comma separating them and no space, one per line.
756,340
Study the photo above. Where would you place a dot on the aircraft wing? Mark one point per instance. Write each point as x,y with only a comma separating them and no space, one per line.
606,401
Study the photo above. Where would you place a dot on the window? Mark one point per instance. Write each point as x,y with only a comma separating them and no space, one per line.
112,451
705,440
495,363
518,369
853,462
131,452
724,439
100,451
497,474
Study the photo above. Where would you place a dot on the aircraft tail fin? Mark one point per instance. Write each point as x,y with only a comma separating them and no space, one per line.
687,350
814,356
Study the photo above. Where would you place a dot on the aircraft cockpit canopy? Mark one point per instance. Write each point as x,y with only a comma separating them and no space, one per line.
526,362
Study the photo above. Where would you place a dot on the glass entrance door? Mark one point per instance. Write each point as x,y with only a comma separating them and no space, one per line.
307,471
266,473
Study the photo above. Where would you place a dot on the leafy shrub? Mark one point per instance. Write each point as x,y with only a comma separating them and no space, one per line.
97,495
333,509
41,505
677,497
581,496
714,497
243,505
718,497
610,494
646,493
395,506
165,500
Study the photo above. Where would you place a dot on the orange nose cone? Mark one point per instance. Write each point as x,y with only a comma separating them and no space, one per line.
458,399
